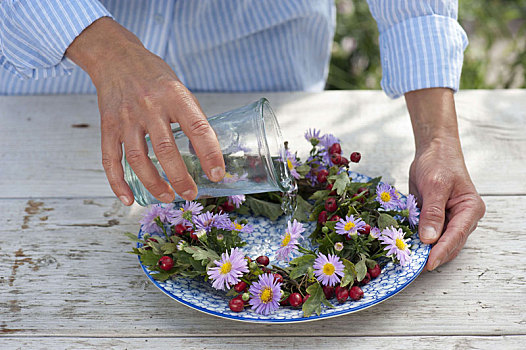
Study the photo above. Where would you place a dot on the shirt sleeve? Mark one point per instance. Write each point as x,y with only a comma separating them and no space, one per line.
421,44
34,34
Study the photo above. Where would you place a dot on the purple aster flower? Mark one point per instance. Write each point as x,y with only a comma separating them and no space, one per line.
237,199
411,211
290,240
396,245
228,270
292,163
231,178
328,140
386,195
206,221
235,226
165,214
327,269
266,293
350,226
185,214
375,232
313,136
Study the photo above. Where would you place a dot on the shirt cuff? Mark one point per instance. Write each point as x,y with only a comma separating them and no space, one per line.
422,52
34,34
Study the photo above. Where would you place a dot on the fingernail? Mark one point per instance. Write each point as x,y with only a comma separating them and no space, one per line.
188,194
125,200
217,173
166,197
428,233
437,264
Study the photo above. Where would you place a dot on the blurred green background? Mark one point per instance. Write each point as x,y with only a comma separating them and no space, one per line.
495,57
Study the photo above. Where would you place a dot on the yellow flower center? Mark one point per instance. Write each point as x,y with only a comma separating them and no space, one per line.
228,175
266,295
328,269
348,226
238,226
386,197
286,240
400,244
289,164
226,268
181,209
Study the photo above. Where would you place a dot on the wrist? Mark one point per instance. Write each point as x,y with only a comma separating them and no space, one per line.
103,43
433,117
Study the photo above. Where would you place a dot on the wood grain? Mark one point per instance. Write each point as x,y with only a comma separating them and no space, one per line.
50,144
289,343
66,273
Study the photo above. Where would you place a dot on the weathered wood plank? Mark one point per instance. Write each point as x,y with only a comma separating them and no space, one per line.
50,144
288,343
66,274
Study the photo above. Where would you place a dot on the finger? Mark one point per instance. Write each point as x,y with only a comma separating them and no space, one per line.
434,198
111,161
458,229
171,161
194,124
137,156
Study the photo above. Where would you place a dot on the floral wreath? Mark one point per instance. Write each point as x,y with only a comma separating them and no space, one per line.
360,227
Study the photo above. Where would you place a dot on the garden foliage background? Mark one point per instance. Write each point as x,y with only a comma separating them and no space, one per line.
495,57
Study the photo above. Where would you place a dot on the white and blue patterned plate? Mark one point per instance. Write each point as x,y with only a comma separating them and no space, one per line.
265,240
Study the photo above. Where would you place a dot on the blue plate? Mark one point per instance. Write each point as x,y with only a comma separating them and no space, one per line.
265,240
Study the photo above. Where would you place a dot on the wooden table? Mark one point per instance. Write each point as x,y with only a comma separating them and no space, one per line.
66,281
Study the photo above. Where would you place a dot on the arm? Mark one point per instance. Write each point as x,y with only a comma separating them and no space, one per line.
422,46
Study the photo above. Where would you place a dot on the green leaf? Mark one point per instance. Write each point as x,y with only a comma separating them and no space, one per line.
169,248
302,264
162,275
342,180
321,194
243,210
303,209
361,270
202,254
132,236
316,299
270,210
209,208
149,258
370,263
303,169
350,273
386,220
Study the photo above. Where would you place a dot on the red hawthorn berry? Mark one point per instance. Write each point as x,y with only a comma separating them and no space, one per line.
342,295
322,176
375,271
236,305
330,204
284,302
363,189
355,293
166,263
278,278
365,230
335,218
337,289
240,286
355,157
194,236
344,161
335,148
328,291
329,187
228,207
295,300
366,279
336,158
305,298
179,229
322,218
263,260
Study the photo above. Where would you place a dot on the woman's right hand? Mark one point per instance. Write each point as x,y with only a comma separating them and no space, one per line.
138,93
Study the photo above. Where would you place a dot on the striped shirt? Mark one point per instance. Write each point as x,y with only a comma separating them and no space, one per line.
230,45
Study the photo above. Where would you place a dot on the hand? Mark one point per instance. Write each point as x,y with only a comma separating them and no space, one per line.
438,177
139,93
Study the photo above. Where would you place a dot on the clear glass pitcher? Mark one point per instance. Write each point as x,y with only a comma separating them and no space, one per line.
253,150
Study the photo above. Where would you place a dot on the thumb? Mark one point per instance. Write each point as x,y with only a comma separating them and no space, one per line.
433,214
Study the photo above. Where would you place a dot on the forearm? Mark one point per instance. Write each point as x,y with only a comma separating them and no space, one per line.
433,116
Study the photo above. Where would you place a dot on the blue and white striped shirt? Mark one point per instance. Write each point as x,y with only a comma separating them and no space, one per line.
230,45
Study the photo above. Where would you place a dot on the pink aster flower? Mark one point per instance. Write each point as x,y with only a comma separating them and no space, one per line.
164,214
290,240
327,269
232,178
265,294
185,214
396,245
237,199
411,211
228,270
350,226
386,195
